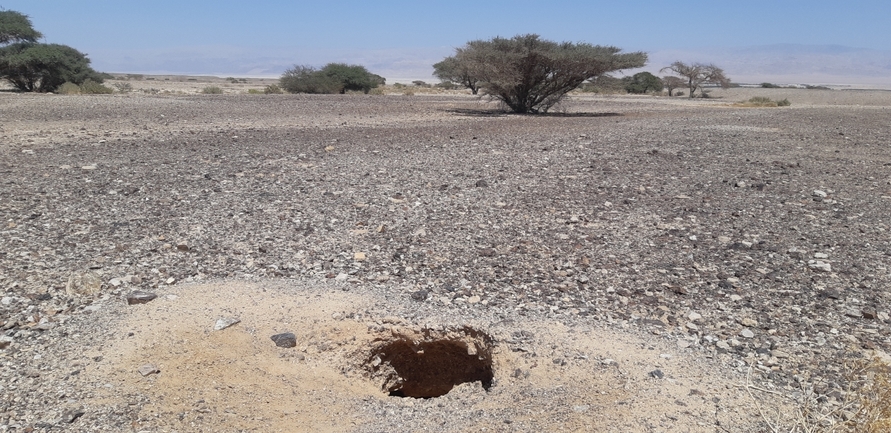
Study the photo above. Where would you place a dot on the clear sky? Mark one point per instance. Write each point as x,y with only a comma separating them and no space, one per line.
402,38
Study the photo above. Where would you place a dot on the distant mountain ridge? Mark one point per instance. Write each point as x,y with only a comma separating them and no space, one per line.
826,63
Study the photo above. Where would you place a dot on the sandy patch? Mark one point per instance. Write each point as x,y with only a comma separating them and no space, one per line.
546,375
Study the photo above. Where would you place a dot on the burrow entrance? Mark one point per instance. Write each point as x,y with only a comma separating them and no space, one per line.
428,363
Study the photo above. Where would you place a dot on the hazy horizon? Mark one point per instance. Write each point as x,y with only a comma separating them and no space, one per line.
753,42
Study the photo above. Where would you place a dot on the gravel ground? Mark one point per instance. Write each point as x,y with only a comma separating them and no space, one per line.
755,239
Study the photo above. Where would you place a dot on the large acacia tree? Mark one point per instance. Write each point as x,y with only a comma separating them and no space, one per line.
31,66
697,74
531,75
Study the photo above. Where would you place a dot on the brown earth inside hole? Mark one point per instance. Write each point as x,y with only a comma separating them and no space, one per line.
425,369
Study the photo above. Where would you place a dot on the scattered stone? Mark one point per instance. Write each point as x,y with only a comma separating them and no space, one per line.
359,257
694,316
342,277
286,340
853,313
140,297
656,374
170,281
723,345
481,183
692,326
72,415
89,167
820,194
748,323
819,265
148,369
869,313
473,299
821,256
5,341
487,252
182,246
747,333
420,295
225,322
86,283
735,298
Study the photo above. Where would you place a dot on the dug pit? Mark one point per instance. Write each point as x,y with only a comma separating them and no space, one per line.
428,363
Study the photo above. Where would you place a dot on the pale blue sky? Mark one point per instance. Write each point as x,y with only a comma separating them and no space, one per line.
402,39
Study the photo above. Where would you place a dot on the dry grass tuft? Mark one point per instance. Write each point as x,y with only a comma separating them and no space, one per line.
865,405
761,101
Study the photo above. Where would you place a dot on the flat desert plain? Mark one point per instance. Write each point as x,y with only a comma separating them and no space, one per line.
625,264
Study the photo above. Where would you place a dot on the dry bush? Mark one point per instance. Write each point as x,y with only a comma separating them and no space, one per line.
68,88
761,101
864,406
212,90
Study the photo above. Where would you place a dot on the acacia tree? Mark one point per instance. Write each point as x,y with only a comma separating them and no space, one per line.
451,70
34,67
16,27
643,82
671,83
697,74
531,75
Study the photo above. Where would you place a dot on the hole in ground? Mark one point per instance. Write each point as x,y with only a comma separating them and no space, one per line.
429,363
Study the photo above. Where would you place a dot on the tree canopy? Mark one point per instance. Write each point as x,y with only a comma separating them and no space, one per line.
36,67
697,74
643,82
531,75
451,70
33,67
16,27
333,78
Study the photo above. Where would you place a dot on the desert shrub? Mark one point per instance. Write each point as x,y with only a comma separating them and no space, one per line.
447,85
680,93
769,86
91,87
306,79
606,84
333,78
68,89
254,92
212,90
643,82
408,92
809,87
761,101
137,77
272,89
420,83
191,79
123,87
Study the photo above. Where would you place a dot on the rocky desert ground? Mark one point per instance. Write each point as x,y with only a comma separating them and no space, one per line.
627,264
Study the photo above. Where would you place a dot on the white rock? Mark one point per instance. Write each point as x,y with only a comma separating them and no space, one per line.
747,333
694,316
819,265
819,193
225,322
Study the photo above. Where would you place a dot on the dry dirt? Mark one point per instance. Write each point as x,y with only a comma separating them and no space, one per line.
627,264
